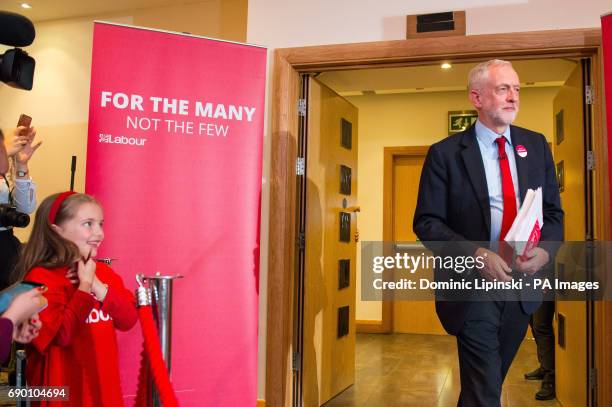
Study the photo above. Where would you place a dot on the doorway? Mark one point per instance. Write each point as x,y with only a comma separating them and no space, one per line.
394,109
405,110
287,64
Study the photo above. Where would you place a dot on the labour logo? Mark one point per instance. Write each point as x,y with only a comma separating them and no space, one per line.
521,151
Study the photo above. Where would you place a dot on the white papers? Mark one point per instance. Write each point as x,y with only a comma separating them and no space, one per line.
524,233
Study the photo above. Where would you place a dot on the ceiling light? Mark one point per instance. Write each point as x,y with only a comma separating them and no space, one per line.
446,65
25,5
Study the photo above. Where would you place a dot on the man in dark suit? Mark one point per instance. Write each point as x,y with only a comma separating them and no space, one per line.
471,187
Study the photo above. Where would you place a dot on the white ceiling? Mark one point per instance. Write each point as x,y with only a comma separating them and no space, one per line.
431,78
43,10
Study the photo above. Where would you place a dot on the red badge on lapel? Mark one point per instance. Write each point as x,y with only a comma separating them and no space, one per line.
521,151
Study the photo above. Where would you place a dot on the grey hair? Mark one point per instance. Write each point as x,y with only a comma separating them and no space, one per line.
480,72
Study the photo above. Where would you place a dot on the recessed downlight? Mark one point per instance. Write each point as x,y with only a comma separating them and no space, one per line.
446,65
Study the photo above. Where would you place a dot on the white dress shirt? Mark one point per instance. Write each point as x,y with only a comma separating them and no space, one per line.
490,158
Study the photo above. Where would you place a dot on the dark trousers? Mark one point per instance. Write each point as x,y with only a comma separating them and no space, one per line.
542,327
487,344
9,254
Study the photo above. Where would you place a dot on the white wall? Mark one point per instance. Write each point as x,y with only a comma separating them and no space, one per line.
536,15
291,23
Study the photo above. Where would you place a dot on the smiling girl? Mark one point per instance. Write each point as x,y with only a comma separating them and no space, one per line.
77,345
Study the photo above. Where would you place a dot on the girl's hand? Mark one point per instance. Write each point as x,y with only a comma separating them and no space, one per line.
25,305
28,330
72,276
86,272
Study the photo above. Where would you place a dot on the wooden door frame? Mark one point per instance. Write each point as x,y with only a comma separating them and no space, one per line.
290,62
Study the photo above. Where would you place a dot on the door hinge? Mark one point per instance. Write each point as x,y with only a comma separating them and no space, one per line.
300,166
589,94
593,378
590,160
301,241
296,364
302,107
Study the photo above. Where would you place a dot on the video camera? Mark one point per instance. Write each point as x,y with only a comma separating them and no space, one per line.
16,66
11,217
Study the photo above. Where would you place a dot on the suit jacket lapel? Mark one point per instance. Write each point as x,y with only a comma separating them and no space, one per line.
522,164
476,172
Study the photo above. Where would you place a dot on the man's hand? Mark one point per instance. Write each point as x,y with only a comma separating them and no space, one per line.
536,259
495,267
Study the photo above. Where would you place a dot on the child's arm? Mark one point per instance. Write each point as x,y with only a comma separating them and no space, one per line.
118,302
80,304
73,315
62,317
121,305
67,309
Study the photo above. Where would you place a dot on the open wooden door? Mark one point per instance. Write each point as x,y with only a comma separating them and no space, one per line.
572,317
328,334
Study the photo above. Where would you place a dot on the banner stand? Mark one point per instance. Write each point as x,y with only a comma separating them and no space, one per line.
174,154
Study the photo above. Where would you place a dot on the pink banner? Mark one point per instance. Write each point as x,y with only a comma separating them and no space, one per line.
606,36
174,155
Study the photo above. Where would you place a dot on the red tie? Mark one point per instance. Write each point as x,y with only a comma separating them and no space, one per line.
509,212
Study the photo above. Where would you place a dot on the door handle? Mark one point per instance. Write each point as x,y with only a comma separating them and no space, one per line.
402,247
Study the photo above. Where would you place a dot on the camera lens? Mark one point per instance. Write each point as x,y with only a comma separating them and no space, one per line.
10,217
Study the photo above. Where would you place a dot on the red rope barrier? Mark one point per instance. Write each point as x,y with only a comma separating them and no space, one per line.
152,356
142,394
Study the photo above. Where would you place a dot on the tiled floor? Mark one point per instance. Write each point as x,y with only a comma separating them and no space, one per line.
422,370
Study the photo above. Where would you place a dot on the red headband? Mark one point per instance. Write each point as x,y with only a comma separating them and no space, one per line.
56,205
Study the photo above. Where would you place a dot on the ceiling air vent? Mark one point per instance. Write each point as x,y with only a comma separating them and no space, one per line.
435,24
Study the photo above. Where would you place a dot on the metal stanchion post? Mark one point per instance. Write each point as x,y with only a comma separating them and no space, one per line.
161,287
20,380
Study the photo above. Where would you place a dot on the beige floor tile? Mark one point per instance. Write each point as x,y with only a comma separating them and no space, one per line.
422,370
